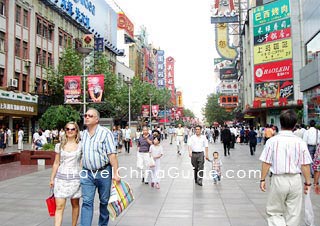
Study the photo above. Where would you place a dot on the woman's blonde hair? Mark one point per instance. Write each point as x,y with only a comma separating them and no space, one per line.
64,138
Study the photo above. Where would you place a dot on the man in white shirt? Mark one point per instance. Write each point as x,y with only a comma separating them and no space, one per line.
198,144
127,138
9,135
311,137
287,156
179,137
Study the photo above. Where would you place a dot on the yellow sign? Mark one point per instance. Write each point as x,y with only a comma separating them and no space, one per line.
12,107
88,41
180,103
222,43
273,51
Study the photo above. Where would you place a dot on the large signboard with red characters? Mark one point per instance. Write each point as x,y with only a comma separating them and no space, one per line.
170,78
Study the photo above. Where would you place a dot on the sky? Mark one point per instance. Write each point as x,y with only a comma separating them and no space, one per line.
183,30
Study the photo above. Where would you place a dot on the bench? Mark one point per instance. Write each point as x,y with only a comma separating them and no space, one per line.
32,157
9,157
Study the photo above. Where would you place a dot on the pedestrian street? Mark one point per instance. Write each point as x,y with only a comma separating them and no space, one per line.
235,201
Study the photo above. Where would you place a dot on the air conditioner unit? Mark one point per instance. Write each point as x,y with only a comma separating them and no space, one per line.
13,82
27,63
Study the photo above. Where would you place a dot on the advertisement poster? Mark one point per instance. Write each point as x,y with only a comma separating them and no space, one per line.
155,110
145,110
274,51
72,89
273,71
267,90
95,88
228,74
286,89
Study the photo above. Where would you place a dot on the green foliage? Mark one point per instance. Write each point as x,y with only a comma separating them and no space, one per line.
188,113
58,116
48,147
214,113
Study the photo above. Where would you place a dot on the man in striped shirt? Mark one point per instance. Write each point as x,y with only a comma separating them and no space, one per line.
100,166
286,156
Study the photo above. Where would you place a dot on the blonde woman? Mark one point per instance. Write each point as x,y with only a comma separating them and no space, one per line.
65,178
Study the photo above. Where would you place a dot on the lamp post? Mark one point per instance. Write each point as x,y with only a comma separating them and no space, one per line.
85,52
129,83
150,95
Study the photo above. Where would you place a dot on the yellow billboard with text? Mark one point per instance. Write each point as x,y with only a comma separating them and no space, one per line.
274,51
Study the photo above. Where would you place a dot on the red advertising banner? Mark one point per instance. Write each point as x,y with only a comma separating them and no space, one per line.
155,110
126,24
145,110
95,88
272,36
267,90
273,71
286,90
72,89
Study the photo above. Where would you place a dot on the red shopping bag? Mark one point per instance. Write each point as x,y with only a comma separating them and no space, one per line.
130,143
51,204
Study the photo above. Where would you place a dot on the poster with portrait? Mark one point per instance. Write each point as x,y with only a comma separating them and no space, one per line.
155,110
266,90
145,111
72,89
95,88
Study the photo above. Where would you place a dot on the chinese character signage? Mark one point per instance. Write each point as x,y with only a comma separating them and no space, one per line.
126,24
170,78
271,12
72,89
95,88
88,41
272,51
160,69
98,44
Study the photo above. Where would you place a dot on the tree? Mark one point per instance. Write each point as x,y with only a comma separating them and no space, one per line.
188,113
58,117
214,113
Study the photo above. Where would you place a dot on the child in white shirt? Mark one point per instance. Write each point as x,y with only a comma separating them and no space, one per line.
156,152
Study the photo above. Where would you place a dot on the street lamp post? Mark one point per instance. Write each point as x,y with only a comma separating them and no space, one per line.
85,52
129,83
150,95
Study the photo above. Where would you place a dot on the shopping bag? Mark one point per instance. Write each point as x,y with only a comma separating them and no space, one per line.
130,143
51,204
308,211
121,197
152,162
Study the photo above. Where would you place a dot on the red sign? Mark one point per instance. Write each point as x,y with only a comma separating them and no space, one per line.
145,110
72,89
155,110
95,87
273,71
126,24
272,36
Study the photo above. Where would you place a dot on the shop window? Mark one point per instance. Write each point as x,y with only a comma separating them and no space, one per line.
18,14
25,18
2,41
24,83
17,47
25,50
313,48
1,76
39,26
38,56
2,8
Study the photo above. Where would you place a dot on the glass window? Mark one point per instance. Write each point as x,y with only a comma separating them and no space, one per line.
25,18
313,48
17,76
45,31
44,55
17,47
1,76
2,8
50,32
229,99
18,14
24,83
38,56
25,50
50,63
2,41
60,39
37,85
39,25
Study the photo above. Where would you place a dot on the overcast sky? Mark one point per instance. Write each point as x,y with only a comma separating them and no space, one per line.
183,30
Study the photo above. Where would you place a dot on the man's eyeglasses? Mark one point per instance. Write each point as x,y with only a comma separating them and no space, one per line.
88,115
70,129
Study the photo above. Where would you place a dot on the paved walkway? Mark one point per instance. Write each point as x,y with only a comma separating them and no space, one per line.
236,201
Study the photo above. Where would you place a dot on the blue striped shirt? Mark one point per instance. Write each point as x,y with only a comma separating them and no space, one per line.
96,148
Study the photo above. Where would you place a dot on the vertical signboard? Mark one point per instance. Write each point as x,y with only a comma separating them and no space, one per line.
160,69
170,78
72,89
95,88
272,51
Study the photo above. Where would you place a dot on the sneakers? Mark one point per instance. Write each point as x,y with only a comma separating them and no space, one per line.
157,186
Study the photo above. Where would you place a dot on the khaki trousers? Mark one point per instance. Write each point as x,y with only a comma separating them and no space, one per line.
284,200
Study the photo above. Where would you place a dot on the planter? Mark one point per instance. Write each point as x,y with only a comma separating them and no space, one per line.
32,157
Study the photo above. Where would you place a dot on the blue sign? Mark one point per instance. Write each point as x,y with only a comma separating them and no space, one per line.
98,44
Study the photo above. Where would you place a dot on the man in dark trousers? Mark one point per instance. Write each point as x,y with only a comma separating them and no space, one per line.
226,139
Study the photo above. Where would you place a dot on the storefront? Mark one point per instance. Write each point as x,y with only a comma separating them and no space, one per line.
16,111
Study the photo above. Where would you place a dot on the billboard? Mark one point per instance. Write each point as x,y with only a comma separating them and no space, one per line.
228,74
125,24
170,78
95,88
145,111
273,71
72,89
227,87
160,69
